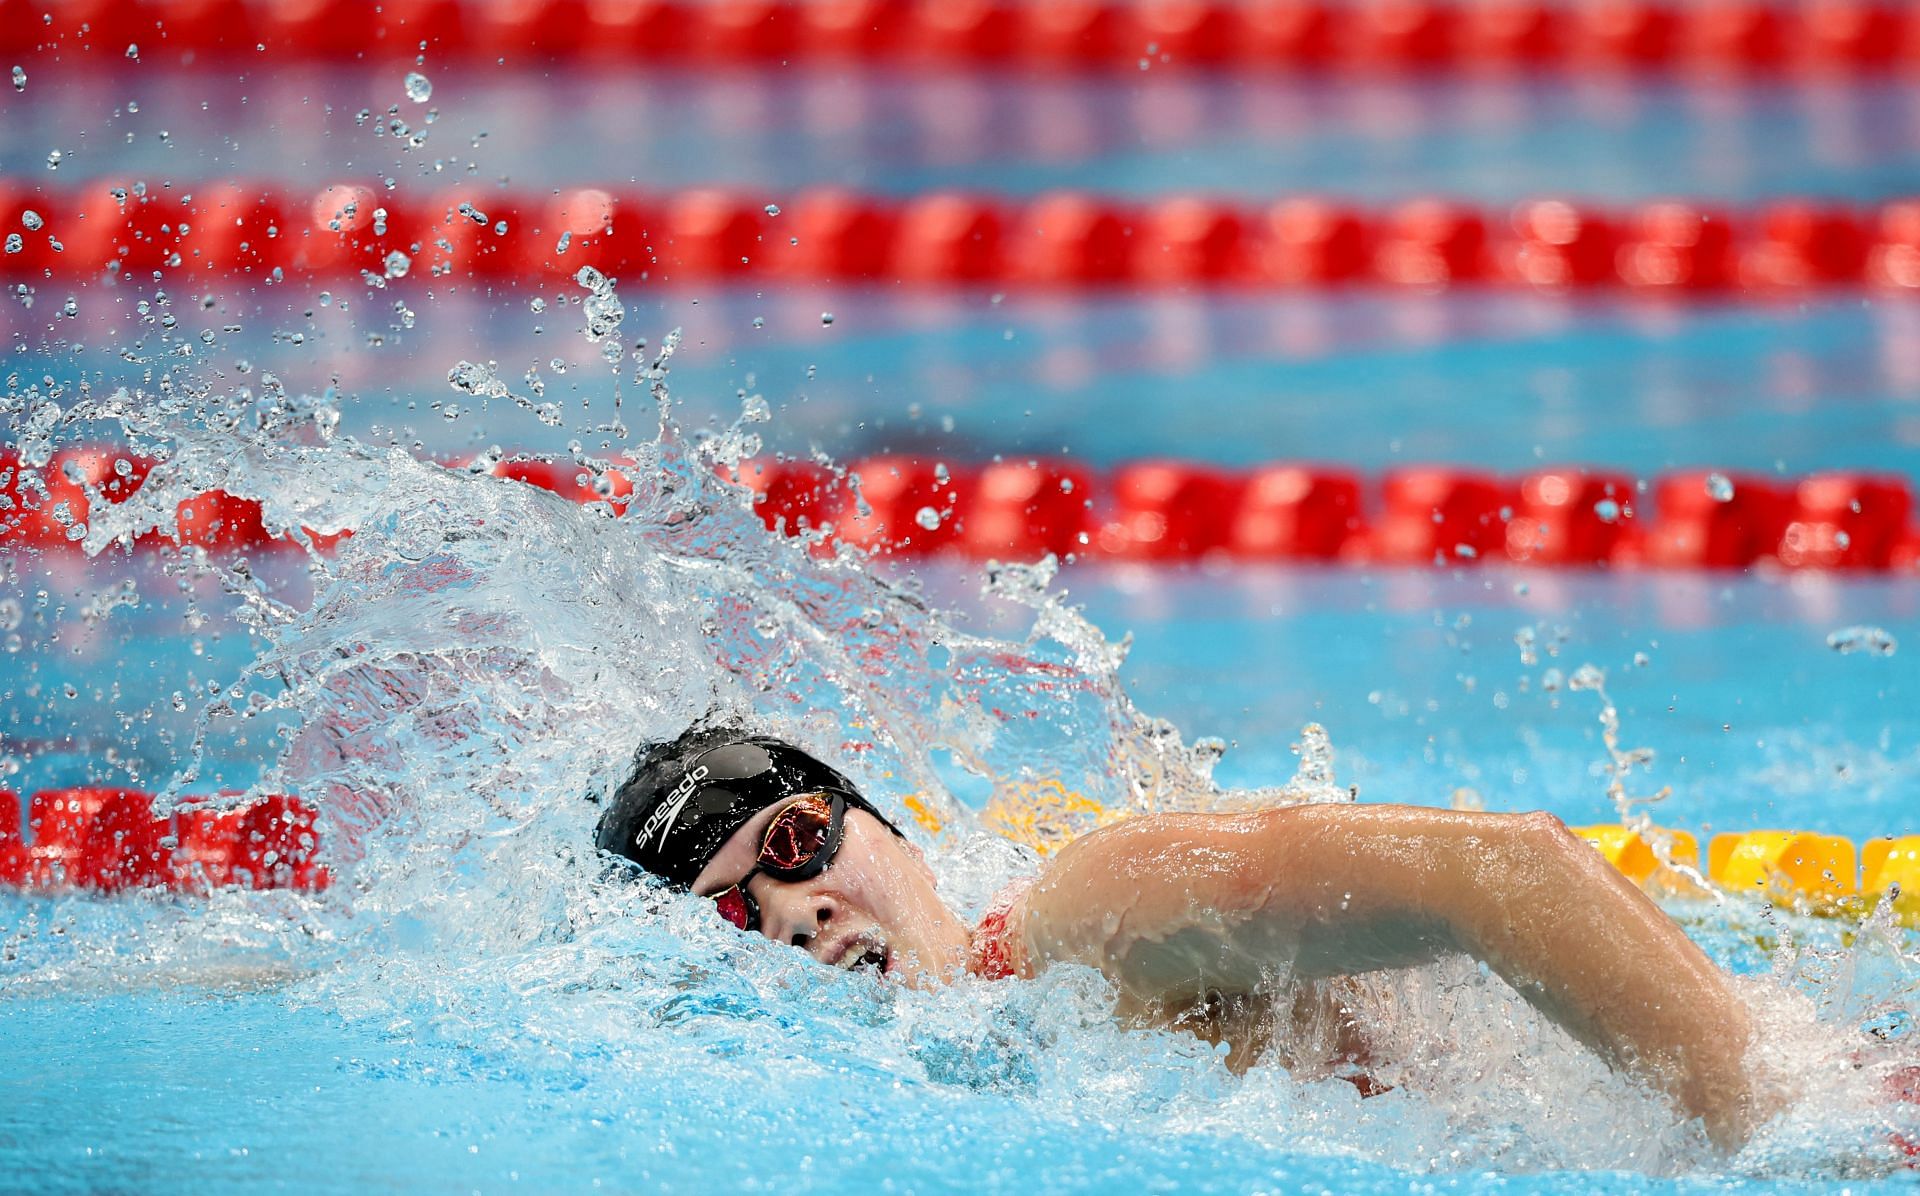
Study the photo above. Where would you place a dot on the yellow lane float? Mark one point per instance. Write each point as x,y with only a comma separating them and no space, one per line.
1636,855
1784,864
1885,863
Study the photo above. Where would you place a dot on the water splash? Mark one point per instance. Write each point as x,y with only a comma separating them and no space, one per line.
477,664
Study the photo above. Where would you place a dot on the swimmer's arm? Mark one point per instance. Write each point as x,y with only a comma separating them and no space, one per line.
1172,907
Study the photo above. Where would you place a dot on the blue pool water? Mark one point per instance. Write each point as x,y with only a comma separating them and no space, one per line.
1418,677
1493,139
470,1009
1367,381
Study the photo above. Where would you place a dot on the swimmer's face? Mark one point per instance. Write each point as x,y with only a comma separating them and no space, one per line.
874,906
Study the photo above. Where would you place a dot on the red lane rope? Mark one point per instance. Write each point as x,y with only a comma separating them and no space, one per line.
1166,511
257,234
1752,37
108,839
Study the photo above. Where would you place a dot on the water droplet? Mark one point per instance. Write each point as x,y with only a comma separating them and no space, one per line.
476,379
826,319
14,243
31,219
133,52
419,87
773,209
53,159
19,79
1876,641
566,240
398,264
1719,487
1607,509
602,307
759,321
927,517
538,305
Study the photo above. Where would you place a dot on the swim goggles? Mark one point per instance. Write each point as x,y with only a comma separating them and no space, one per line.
798,845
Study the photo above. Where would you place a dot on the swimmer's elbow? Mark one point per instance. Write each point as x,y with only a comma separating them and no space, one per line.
1546,830
1547,840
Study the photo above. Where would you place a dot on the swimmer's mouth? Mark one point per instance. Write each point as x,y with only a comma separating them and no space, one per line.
864,954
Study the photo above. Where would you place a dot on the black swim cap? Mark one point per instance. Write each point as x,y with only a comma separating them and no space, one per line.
685,799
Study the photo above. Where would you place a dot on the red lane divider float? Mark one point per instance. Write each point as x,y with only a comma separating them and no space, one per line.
1753,37
258,234
109,840
1162,511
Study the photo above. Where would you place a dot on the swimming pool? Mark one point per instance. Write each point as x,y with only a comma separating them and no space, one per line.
469,1007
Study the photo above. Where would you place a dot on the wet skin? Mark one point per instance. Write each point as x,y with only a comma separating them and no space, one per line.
1194,912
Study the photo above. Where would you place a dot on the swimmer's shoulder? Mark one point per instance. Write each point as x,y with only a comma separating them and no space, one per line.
1144,875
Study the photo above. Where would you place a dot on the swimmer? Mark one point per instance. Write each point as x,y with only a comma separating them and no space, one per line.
1192,916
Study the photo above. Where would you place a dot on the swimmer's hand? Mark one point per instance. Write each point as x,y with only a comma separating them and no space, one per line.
1177,908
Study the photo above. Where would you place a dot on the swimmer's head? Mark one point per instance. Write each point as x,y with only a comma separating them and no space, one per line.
685,799
788,847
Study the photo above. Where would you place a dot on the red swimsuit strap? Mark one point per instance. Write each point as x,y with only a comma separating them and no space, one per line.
991,953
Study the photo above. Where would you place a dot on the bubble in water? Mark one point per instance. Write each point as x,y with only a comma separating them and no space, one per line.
19,79
31,220
826,319
759,321
537,305
1607,510
1875,640
133,52
927,517
773,209
53,159
398,264
1719,487
419,87
14,243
